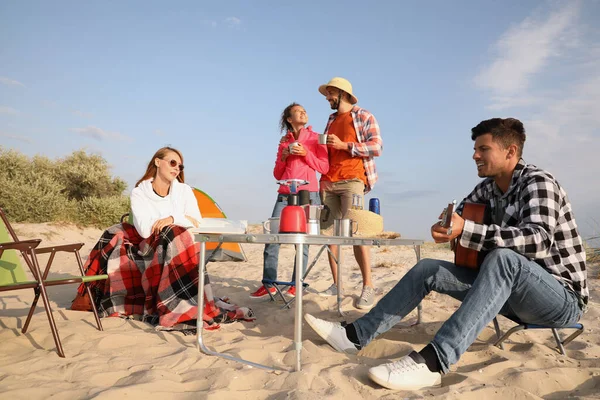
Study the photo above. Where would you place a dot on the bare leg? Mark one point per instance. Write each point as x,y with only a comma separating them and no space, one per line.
362,254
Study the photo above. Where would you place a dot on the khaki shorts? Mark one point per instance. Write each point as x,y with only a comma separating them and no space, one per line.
338,197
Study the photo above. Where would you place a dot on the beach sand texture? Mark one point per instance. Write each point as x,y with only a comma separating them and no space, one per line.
130,359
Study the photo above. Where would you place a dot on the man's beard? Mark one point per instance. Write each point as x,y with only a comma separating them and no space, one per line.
335,104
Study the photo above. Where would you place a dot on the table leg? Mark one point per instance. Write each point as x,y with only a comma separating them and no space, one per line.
339,281
298,317
419,307
199,323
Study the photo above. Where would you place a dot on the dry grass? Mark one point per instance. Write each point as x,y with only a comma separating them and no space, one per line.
592,255
386,264
388,235
435,246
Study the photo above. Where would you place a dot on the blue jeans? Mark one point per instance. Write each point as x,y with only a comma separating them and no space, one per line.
271,252
506,283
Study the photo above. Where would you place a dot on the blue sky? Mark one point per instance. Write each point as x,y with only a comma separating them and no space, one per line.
124,78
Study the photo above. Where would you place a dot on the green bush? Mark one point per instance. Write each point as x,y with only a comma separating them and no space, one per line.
101,212
33,201
86,175
77,189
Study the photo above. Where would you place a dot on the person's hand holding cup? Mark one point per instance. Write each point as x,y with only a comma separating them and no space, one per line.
297,149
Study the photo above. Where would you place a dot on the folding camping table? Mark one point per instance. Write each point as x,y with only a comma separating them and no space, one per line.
299,240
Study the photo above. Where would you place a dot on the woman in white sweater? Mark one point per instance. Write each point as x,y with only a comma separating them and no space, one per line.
152,265
161,198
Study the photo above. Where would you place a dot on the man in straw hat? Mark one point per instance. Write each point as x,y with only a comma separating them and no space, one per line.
353,140
534,270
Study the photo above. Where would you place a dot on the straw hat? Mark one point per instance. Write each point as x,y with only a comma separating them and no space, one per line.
342,84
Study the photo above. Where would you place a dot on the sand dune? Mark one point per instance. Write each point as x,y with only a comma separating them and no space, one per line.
131,359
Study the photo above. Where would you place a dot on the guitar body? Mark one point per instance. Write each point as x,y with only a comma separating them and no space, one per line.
463,256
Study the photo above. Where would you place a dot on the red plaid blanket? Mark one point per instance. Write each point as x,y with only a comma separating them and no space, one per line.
155,278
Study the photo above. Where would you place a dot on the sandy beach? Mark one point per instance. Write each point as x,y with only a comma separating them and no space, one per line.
130,359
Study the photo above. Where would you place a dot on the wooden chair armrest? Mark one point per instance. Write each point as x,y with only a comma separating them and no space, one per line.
22,245
124,217
63,247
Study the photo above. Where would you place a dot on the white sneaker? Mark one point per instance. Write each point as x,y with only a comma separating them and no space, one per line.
333,333
405,374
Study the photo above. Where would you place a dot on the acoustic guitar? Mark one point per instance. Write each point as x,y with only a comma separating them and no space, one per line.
477,213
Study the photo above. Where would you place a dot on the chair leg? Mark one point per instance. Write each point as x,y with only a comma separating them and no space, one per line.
94,309
571,337
46,302
508,333
89,292
498,332
31,310
558,341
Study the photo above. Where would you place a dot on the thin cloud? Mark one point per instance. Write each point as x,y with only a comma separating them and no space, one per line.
524,50
99,134
230,22
82,114
16,137
10,82
233,22
8,110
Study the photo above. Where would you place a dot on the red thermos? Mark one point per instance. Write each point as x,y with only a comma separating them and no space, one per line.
293,218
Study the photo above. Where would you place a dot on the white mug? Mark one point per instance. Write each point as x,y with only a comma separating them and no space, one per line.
322,138
271,225
292,145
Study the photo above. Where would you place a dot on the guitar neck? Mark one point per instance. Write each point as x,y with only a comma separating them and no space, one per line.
446,220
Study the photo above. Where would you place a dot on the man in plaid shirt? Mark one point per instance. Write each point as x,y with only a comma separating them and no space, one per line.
353,140
534,269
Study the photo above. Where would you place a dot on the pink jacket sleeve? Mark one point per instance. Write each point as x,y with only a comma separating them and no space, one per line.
317,158
279,165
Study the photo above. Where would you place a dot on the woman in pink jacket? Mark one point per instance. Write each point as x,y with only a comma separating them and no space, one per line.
303,161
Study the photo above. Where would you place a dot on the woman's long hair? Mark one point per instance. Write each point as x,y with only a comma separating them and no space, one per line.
152,169
284,125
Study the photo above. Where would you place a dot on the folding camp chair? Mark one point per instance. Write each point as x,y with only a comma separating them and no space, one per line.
280,285
522,325
12,275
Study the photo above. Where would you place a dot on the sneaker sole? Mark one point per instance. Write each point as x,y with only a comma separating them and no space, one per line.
266,296
389,385
361,307
324,337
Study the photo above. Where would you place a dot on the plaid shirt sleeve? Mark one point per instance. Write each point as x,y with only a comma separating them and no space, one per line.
539,210
369,137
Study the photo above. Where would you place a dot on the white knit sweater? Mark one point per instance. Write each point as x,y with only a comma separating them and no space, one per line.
147,207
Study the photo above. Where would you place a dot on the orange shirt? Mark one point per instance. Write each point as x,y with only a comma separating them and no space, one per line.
342,165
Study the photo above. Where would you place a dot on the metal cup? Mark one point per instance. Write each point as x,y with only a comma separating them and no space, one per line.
344,227
322,138
271,225
313,227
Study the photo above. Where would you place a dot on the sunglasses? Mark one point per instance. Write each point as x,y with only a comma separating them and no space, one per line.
174,163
